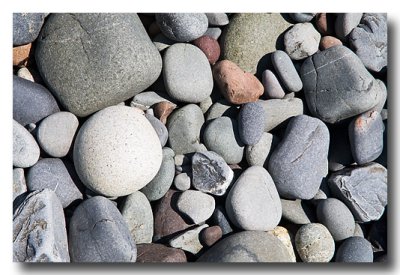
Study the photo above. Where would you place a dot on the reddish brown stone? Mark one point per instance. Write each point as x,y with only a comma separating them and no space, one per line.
210,235
329,41
158,253
21,55
154,29
167,220
237,86
210,48
163,109
325,23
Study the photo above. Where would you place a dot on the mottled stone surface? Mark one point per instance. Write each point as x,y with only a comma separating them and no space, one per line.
158,253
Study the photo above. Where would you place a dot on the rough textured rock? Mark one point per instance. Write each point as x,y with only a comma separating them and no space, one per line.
196,205
187,73
51,173
184,129
300,161
25,149
337,85
345,23
75,54
286,71
39,233
26,27
158,253
136,211
159,127
31,101
253,201
19,182
189,240
210,47
210,173
355,250
301,41
297,211
258,154
251,123
363,189
248,246
99,233
182,27
272,87
112,142
182,182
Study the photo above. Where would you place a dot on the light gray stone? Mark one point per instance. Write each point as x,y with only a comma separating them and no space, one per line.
182,182
19,183
286,71
301,41
196,205
159,127
259,153
217,19
272,87
345,23
297,211
222,108
213,32
189,240
25,149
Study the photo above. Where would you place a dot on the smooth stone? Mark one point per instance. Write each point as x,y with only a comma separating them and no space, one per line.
382,95
328,42
259,153
26,151
31,101
217,19
86,59
161,183
19,182
162,42
99,233
336,76
222,108
196,205
322,194
39,233
247,246
210,173
279,110
209,46
302,17
358,231
26,27
285,237
162,110
251,36
300,162
182,182
112,142
251,123
366,137
182,27
339,155
367,201
56,132
158,253
369,41
21,55
210,235
206,104
222,136
159,127
325,23
136,210
355,250
167,221
297,211
253,202
213,32
286,71
272,87
150,98
187,73
25,74
314,243
184,126
189,240
219,217
345,23
335,215
301,41
52,174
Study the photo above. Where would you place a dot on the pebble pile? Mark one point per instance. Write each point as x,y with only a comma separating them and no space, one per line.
200,137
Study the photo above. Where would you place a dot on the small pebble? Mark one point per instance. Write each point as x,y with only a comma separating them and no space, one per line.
189,240
251,123
182,182
329,41
286,71
301,41
272,87
213,32
217,19
210,235
25,74
210,47
163,109
21,55
196,205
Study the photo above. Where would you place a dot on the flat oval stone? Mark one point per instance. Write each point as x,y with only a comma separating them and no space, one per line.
196,205
51,173
87,62
112,142
366,137
222,136
184,126
182,27
182,182
222,108
210,173
209,46
272,87
345,23
99,233
355,250
217,19
286,71
337,85
301,41
26,151
247,246
253,201
162,42
136,210
335,215
31,101
314,243
56,132
259,153
159,127
251,123
367,201
39,233
160,184
300,161
26,27
159,253
187,73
